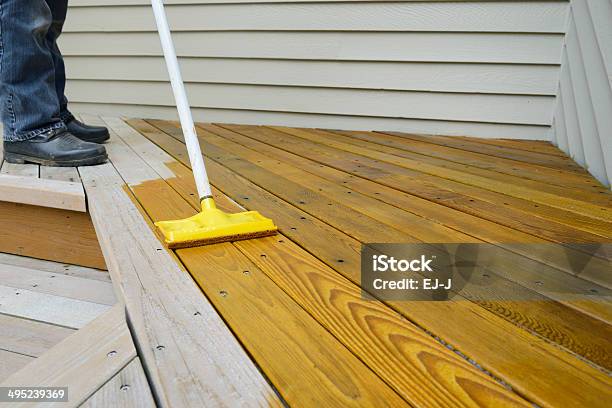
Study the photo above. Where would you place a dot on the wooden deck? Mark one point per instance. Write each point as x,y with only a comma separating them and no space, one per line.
282,320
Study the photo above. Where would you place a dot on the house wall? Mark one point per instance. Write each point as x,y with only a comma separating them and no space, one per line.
478,68
582,124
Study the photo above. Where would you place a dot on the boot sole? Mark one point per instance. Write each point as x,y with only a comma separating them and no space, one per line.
17,158
99,140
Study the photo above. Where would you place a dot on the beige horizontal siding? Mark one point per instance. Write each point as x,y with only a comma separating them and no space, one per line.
331,46
407,76
518,109
540,17
433,67
583,114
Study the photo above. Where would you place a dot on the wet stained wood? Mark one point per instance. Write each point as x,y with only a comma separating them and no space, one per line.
457,196
389,344
463,314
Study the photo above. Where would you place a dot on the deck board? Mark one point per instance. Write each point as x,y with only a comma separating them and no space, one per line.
67,236
545,357
54,267
366,339
11,362
52,309
29,337
551,282
293,345
127,389
61,285
44,186
523,343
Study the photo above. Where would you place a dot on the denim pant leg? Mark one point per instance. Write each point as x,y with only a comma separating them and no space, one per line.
59,8
30,105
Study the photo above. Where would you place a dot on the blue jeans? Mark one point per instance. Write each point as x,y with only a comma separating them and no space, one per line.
32,74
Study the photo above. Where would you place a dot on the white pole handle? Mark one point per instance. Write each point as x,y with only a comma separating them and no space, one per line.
180,97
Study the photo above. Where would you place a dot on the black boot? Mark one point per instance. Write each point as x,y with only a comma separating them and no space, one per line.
87,133
55,149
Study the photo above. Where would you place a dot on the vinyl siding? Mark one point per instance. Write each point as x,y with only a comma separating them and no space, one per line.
583,114
478,68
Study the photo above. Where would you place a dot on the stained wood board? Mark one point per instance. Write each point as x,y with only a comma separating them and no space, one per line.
569,204
425,157
49,233
474,201
348,331
587,336
434,198
549,281
494,362
537,172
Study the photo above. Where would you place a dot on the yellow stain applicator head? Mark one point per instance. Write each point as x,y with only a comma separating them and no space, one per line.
211,226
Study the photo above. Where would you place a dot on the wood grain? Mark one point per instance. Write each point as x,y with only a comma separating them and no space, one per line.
485,159
367,328
84,361
66,195
127,389
49,233
29,337
462,197
42,307
534,353
296,345
587,337
565,203
61,285
12,362
55,267
550,281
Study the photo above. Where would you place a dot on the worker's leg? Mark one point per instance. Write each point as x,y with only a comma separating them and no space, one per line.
59,9
30,112
27,76
85,132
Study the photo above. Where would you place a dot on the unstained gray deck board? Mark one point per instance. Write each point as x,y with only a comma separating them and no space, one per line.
55,267
11,362
127,389
87,290
29,337
48,308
